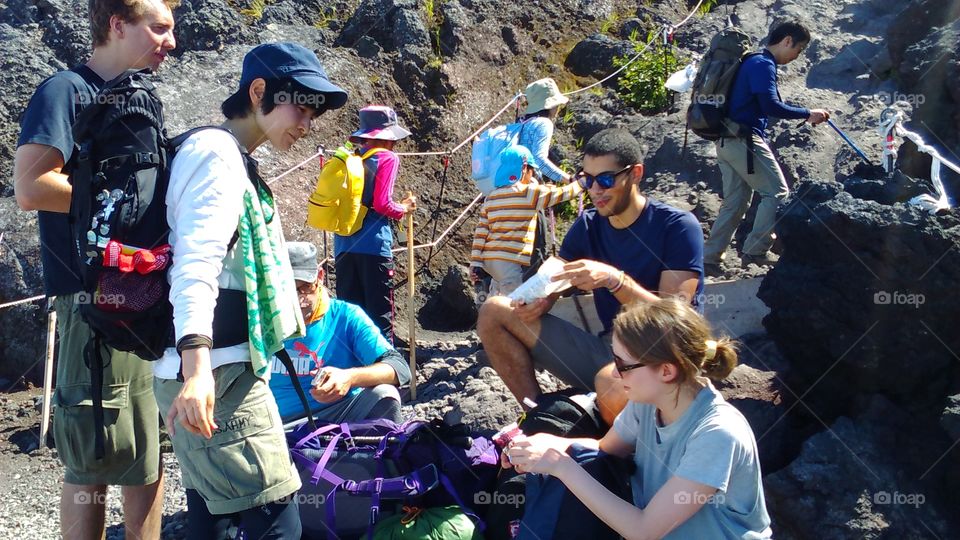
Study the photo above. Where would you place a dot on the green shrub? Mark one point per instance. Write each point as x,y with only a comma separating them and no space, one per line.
707,6
434,22
641,84
255,11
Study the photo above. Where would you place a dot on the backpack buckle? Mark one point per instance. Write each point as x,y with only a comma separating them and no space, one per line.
84,154
374,514
351,444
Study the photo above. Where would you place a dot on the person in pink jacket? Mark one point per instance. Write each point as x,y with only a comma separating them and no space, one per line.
364,261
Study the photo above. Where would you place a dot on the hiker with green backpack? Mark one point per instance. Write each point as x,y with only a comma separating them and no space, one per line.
235,301
734,95
129,35
364,260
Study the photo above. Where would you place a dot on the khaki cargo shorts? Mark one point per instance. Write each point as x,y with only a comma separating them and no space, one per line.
246,463
130,416
569,353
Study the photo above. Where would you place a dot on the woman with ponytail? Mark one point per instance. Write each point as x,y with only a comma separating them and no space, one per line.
698,471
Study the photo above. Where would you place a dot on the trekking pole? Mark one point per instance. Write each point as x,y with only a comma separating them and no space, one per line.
850,142
48,371
411,290
326,258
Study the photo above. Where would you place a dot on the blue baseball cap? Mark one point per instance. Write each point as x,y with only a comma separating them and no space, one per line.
292,61
512,160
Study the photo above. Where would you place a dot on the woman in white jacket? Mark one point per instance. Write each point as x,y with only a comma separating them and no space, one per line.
234,300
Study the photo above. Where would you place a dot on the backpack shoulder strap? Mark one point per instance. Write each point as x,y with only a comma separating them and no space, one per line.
372,151
178,141
287,362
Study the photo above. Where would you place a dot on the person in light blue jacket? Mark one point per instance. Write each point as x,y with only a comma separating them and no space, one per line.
544,100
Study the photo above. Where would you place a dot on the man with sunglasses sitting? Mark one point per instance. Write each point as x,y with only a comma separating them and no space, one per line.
628,248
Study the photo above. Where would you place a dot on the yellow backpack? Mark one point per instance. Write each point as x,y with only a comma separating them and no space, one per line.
335,204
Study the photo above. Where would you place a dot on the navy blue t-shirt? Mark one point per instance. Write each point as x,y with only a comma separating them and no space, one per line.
754,96
662,238
49,120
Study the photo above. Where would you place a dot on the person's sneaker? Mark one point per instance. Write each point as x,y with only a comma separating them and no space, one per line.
767,259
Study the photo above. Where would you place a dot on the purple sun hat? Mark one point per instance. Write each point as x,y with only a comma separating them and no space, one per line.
380,122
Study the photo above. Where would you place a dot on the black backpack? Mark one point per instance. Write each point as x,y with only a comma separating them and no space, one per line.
119,177
118,215
556,413
710,96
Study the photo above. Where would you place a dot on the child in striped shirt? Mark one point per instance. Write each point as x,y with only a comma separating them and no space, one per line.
503,240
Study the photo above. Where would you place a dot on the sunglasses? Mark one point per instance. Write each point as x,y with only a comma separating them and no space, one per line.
605,179
623,368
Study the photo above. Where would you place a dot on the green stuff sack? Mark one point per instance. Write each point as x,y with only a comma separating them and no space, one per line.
441,523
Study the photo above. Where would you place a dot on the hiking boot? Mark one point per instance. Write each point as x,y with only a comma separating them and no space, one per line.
766,260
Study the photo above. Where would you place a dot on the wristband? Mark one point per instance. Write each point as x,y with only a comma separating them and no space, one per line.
193,341
619,285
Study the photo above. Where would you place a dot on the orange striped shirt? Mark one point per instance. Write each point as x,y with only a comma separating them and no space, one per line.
508,220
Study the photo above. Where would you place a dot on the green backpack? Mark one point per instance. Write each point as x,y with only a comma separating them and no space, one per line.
440,523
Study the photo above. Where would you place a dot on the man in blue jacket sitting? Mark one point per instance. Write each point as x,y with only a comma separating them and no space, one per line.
753,99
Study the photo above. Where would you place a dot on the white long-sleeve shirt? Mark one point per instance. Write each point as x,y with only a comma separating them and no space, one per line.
204,204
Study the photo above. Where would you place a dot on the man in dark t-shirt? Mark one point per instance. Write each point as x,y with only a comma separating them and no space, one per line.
628,248
134,34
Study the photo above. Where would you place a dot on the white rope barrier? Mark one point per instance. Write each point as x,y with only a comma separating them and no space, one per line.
23,301
890,127
452,226
319,153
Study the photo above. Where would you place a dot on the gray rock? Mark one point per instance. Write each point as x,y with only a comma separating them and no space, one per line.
25,61
850,481
950,419
630,26
899,305
456,21
367,47
22,328
209,25
900,188
66,29
756,389
453,307
593,57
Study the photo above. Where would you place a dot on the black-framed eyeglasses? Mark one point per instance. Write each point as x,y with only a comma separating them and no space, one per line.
305,288
622,367
605,179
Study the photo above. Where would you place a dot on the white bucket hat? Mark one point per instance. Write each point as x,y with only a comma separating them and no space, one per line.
543,94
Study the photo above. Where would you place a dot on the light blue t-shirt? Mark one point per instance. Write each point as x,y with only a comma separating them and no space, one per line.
711,443
344,337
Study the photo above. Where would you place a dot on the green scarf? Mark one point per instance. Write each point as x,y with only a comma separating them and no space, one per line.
273,311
